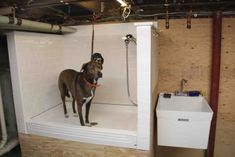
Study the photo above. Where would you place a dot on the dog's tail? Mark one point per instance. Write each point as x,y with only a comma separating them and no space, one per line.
63,89
67,93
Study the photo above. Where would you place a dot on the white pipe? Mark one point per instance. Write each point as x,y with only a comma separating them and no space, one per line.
122,2
3,123
22,24
9,146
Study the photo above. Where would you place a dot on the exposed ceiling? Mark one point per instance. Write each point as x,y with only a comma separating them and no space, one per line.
75,12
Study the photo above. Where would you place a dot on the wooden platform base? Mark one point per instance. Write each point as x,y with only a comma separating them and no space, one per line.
38,146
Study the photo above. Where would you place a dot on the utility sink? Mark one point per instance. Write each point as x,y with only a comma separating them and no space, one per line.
183,121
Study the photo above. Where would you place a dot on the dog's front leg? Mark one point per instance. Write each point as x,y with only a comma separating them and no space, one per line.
88,105
74,109
79,104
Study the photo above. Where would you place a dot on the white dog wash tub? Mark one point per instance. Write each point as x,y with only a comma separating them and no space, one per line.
117,125
36,61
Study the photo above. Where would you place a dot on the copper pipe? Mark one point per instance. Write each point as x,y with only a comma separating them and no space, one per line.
215,77
189,15
167,25
189,21
167,20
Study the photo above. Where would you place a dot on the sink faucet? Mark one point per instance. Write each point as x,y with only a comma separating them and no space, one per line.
181,92
183,82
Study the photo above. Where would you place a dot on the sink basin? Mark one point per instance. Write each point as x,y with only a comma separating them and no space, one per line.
184,106
183,121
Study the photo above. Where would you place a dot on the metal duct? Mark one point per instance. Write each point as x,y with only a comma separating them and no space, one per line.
27,25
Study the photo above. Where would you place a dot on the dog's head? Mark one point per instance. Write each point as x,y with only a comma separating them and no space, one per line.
97,57
93,70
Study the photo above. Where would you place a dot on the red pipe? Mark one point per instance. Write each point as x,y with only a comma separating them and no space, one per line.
215,77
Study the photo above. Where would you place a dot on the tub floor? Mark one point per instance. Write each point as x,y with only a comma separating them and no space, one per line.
117,125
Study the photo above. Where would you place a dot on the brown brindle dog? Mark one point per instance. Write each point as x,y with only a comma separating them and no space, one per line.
82,87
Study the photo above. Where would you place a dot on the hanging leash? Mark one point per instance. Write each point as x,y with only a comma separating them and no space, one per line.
94,18
92,40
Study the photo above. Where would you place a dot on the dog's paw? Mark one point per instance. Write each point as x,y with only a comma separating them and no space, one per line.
75,115
93,123
66,116
88,125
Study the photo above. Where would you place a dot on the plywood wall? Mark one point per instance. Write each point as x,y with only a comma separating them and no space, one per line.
186,53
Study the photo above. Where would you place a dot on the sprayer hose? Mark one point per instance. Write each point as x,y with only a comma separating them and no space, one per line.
127,75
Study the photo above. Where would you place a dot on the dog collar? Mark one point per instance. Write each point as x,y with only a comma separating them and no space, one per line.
90,84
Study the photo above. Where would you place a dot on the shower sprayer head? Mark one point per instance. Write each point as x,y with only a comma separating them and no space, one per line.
128,38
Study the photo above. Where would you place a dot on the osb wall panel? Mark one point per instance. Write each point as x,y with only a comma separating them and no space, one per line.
38,146
186,53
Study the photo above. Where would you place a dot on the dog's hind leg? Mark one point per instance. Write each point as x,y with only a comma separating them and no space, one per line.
63,93
64,106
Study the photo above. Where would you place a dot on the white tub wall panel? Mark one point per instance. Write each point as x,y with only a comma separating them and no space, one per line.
16,83
77,48
114,74
108,41
144,86
40,63
38,59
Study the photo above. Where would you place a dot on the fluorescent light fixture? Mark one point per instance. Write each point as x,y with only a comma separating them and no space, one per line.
122,2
